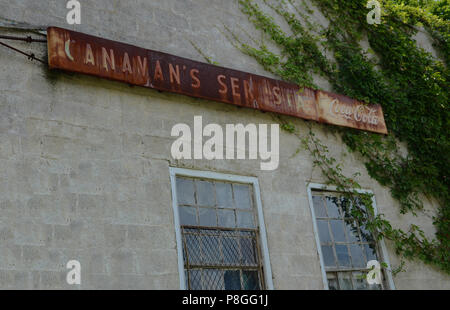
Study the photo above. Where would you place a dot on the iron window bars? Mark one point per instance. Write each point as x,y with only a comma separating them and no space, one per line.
219,233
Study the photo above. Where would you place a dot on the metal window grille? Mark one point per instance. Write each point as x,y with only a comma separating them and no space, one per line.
346,246
219,234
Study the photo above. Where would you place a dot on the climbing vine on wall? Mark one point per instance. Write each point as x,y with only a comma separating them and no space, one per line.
407,81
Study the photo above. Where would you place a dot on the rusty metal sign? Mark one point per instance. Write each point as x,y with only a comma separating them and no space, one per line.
82,53
343,111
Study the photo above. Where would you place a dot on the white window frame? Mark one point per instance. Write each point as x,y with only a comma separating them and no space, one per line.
384,254
174,172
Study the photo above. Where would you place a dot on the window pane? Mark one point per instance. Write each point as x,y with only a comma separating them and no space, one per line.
224,195
245,219
332,207
345,250
328,256
193,249
205,193
342,255
345,281
213,279
195,279
352,231
319,207
232,280
345,206
250,279
242,196
370,251
360,205
218,257
226,218
337,228
211,250
366,235
357,256
207,217
359,281
375,287
185,191
230,249
332,282
188,216
248,250
324,233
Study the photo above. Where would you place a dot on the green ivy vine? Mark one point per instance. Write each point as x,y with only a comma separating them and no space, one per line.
410,84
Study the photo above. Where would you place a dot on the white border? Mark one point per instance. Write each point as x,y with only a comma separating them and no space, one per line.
221,177
384,254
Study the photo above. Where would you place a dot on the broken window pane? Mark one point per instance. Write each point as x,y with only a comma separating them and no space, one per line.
250,280
232,280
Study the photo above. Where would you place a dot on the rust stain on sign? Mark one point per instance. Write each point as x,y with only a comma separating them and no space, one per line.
78,52
343,111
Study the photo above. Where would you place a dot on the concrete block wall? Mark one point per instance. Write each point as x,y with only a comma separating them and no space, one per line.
84,162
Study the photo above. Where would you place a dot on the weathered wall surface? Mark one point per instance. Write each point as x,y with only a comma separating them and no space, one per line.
84,163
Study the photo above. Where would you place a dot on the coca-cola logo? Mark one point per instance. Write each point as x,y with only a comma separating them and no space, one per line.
360,113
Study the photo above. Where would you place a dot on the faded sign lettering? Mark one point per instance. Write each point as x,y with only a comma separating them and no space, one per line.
78,52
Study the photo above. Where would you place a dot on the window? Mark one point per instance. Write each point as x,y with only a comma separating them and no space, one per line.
344,246
219,232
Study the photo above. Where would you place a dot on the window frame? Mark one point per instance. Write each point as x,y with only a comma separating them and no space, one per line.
253,181
382,246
